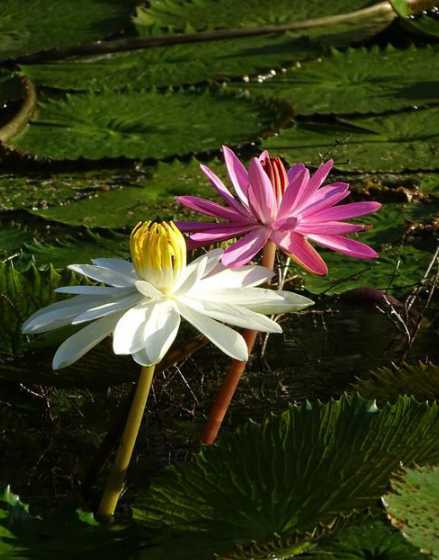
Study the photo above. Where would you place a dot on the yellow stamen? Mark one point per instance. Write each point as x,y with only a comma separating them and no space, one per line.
157,248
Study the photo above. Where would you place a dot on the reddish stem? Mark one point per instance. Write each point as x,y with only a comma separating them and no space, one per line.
237,368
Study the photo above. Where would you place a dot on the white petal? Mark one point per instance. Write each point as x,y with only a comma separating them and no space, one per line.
60,313
235,315
119,265
251,275
108,308
226,339
213,260
161,328
192,275
288,301
84,340
147,289
104,275
129,334
93,290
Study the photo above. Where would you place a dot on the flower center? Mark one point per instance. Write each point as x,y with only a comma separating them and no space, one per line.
277,174
158,252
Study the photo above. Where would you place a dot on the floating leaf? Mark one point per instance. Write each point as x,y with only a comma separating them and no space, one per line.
392,142
172,65
372,540
22,293
10,87
179,15
356,81
141,124
307,466
424,25
151,195
47,24
387,384
413,507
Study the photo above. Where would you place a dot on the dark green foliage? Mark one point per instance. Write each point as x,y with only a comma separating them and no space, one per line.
47,24
387,384
413,506
142,124
392,142
307,466
357,81
68,534
181,15
372,540
173,65
21,294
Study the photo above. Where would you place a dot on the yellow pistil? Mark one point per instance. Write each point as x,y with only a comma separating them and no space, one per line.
158,251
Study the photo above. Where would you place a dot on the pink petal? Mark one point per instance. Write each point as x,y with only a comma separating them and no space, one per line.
316,180
300,250
261,194
219,234
241,252
345,246
346,211
297,182
328,228
206,226
237,173
223,191
210,208
325,198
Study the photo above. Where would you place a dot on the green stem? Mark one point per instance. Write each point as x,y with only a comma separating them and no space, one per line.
116,479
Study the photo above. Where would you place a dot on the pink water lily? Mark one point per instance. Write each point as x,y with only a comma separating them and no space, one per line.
288,208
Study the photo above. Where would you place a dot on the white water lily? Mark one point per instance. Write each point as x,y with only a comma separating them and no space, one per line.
143,302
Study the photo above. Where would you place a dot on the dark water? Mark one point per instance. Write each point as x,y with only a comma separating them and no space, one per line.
50,436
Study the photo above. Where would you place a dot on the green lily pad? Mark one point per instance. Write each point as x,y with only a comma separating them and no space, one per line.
141,124
413,507
306,467
396,142
387,384
356,81
47,24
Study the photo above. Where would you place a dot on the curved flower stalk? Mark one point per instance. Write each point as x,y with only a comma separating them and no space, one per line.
142,306
290,209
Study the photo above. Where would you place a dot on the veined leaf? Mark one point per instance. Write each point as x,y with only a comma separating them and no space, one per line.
40,190
47,24
308,466
142,124
181,15
151,195
413,507
393,142
426,24
21,294
173,65
356,81
372,540
387,384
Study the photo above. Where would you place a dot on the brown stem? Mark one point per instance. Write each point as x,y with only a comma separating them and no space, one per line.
237,368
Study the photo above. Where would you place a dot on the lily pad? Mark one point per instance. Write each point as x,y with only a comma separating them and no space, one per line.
356,81
396,142
306,467
47,24
143,124
413,507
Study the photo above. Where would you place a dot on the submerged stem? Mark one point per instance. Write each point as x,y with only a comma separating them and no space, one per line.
237,368
115,482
